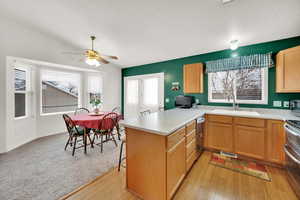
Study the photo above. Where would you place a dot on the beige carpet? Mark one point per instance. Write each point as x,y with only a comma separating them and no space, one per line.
42,170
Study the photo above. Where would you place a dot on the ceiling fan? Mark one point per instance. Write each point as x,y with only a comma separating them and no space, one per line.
93,57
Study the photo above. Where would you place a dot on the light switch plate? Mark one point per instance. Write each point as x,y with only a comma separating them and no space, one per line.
286,104
277,103
167,100
197,101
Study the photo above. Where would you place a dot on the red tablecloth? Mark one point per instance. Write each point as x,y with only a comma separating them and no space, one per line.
89,121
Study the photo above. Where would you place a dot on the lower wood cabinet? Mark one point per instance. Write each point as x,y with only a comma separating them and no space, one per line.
250,141
175,166
256,138
276,141
220,136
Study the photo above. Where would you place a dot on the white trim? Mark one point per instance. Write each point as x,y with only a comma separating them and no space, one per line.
264,91
55,65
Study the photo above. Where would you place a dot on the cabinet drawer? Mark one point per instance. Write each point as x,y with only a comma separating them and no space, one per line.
190,148
175,137
191,126
190,160
249,122
190,136
220,119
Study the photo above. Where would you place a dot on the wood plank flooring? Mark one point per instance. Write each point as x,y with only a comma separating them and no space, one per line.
204,182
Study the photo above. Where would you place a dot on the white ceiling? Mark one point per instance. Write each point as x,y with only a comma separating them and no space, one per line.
147,31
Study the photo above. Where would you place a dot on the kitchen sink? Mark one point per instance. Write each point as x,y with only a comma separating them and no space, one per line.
235,112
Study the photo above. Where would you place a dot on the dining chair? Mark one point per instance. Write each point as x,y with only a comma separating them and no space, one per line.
75,132
81,110
119,128
121,151
106,127
145,112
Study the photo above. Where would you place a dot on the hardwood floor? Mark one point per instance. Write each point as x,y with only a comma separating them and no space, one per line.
205,181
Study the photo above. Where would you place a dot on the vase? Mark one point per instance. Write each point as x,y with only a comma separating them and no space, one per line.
96,110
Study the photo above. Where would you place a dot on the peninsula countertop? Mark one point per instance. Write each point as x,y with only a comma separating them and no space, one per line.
166,122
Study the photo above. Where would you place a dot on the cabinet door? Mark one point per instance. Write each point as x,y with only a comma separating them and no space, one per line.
175,167
219,136
193,78
288,70
250,141
275,141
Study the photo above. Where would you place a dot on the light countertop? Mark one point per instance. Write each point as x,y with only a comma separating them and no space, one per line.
166,122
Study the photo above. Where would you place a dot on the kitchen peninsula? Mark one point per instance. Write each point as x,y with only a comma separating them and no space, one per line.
160,147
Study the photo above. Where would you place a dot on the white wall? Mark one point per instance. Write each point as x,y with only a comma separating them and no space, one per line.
20,41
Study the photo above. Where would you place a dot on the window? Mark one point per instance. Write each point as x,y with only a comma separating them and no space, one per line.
22,88
60,91
95,87
150,92
132,91
245,85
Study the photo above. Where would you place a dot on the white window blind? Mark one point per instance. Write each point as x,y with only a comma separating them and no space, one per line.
60,91
95,84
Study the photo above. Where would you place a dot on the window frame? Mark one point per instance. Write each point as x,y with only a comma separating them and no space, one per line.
265,87
41,91
27,91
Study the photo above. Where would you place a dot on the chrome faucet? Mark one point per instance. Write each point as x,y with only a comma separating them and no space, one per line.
235,106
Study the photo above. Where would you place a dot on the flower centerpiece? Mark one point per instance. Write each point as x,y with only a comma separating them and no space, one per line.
96,102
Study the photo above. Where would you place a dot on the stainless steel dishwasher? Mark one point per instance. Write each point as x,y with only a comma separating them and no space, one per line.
200,134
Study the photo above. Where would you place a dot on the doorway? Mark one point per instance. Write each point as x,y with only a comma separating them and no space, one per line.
143,92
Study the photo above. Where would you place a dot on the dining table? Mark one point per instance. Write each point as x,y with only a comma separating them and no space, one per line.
91,121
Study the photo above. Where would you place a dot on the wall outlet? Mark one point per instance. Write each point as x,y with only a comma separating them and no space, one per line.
286,104
197,101
167,100
277,103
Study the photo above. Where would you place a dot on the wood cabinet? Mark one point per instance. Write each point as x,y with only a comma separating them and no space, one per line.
275,142
288,70
193,78
190,144
220,136
249,141
252,137
157,164
176,167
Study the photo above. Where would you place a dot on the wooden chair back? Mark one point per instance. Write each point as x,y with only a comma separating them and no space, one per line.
71,127
109,121
81,110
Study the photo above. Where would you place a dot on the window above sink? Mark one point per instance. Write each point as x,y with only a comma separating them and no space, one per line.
249,86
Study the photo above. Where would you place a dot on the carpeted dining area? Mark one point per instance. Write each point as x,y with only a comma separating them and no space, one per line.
42,170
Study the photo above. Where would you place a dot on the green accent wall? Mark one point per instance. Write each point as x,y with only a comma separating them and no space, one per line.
173,70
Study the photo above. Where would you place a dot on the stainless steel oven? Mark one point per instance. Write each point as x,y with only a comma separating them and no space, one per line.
292,153
295,107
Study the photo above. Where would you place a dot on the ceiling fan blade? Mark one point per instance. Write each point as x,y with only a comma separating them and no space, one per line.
102,60
111,57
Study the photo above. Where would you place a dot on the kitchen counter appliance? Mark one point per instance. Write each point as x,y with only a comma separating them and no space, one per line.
292,152
200,134
182,101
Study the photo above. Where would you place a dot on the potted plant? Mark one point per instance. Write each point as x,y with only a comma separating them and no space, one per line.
96,102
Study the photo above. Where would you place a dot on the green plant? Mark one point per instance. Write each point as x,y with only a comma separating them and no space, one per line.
95,102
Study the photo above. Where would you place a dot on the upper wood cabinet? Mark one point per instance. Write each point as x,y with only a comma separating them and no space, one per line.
193,78
288,70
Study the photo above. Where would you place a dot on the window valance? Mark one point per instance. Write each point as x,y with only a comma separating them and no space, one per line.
243,62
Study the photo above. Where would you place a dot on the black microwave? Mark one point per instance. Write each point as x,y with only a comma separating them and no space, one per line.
295,107
184,101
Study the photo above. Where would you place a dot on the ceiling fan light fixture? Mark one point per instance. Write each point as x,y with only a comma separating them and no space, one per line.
92,62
